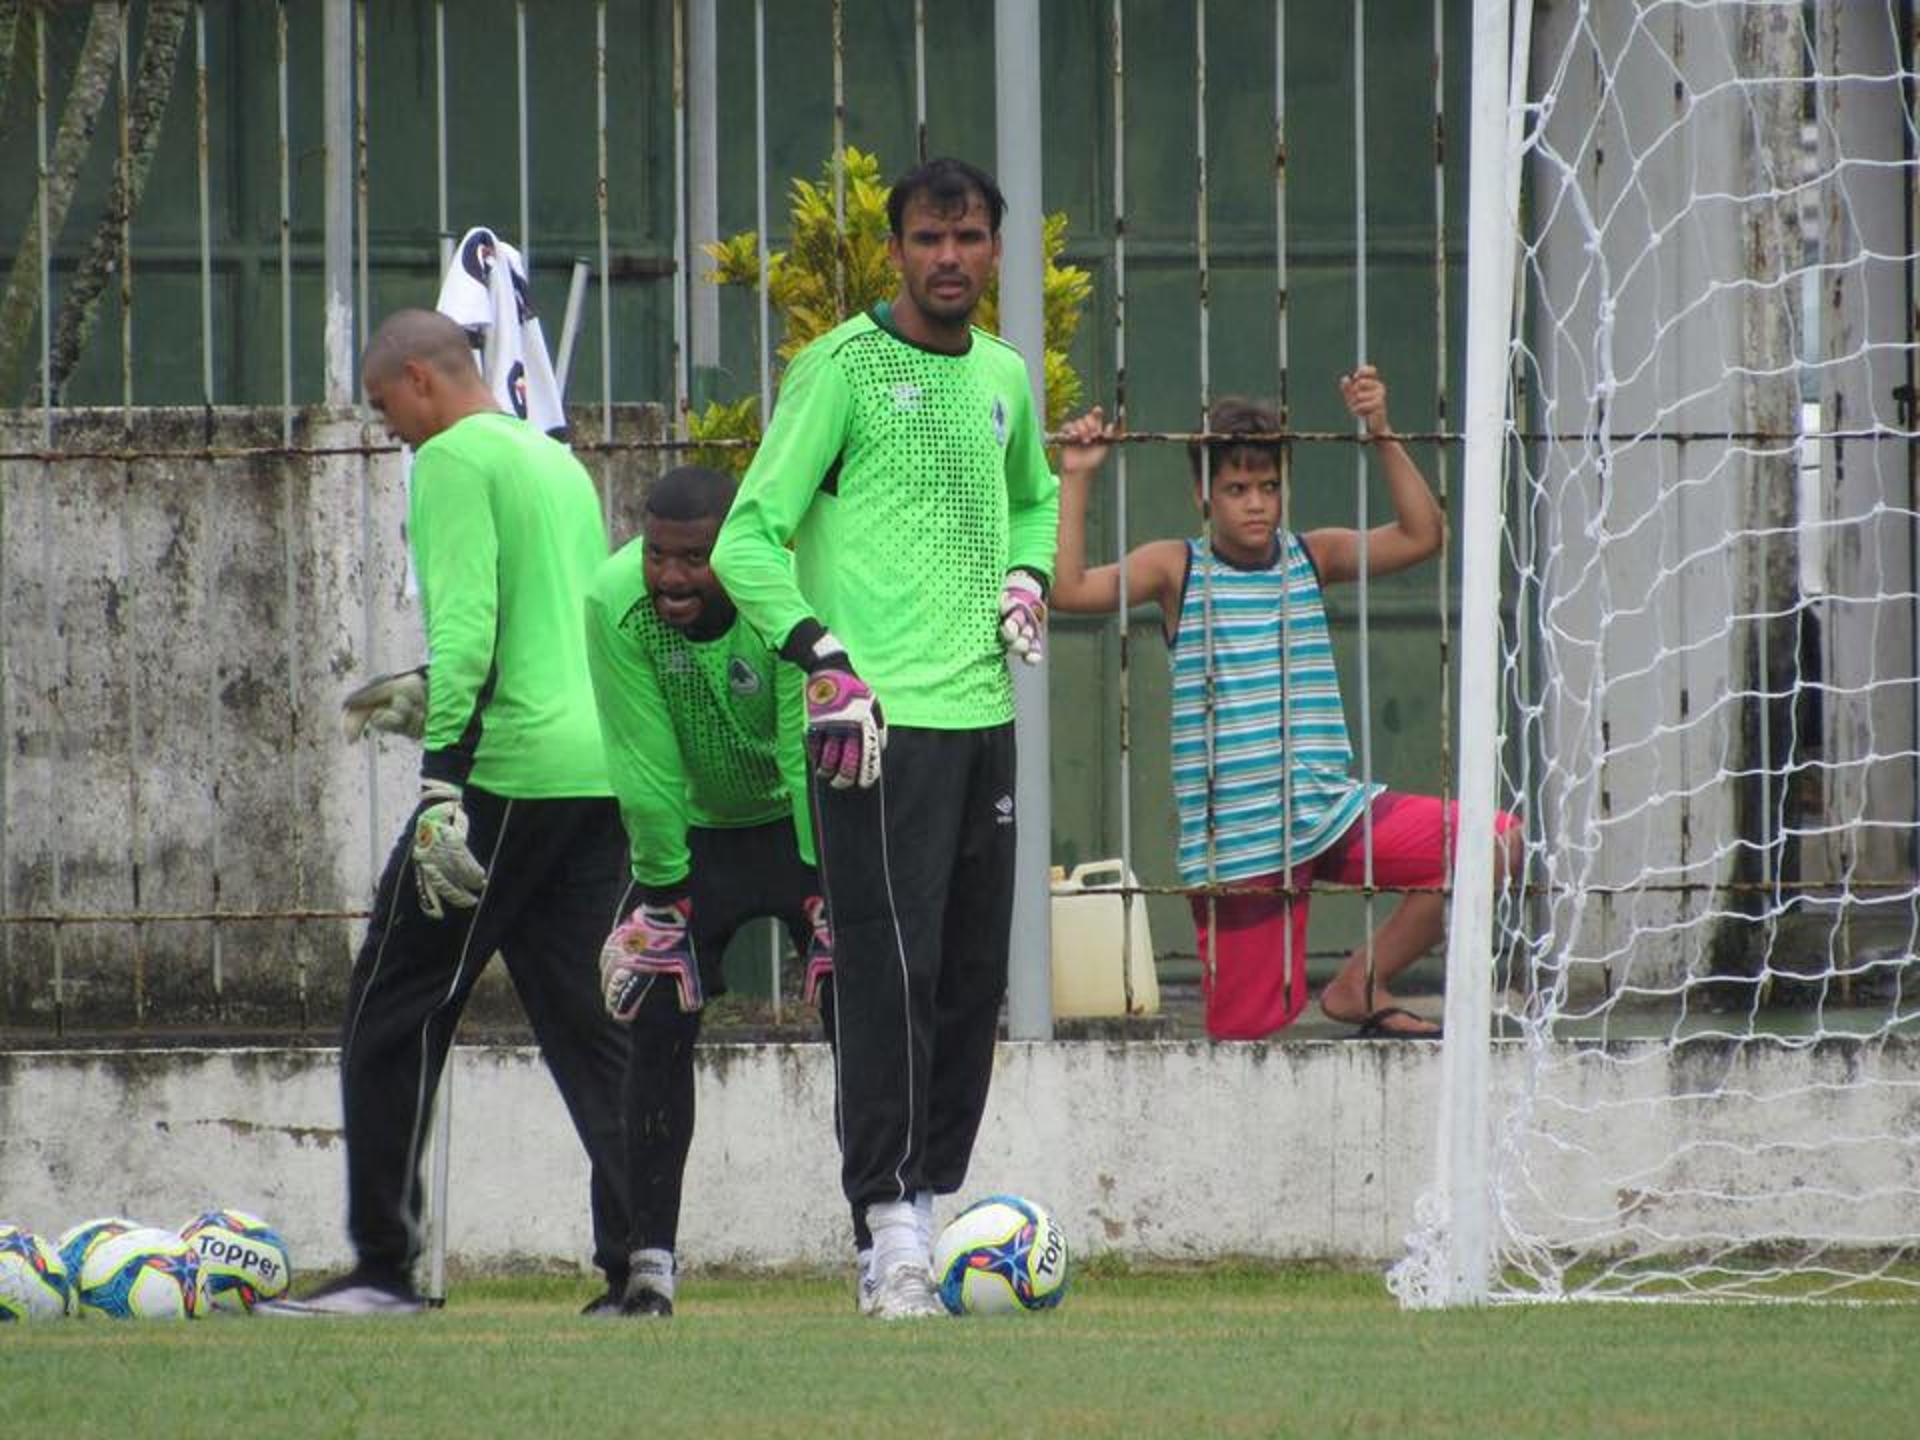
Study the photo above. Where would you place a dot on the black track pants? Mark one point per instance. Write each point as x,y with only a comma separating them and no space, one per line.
919,874
737,875
556,870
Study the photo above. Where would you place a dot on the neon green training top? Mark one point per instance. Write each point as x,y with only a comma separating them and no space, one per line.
908,482
698,732
506,533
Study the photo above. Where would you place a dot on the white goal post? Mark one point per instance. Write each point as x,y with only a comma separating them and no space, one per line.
1690,661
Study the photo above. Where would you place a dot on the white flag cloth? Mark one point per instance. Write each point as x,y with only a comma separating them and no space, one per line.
485,292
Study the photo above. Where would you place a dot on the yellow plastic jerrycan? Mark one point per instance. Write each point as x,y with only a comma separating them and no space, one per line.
1089,913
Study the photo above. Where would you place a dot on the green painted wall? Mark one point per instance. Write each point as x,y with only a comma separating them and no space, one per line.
1408,701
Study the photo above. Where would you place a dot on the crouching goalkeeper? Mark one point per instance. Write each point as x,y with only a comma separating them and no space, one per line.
703,731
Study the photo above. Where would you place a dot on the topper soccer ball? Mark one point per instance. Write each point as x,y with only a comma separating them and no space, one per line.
74,1244
999,1256
33,1282
243,1260
143,1274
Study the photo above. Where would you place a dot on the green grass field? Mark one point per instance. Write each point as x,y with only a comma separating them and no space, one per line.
1218,1352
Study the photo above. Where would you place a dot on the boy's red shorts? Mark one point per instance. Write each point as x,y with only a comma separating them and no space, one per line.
1257,982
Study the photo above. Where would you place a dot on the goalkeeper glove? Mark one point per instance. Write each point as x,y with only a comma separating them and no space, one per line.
1023,616
443,867
845,729
819,949
394,703
657,939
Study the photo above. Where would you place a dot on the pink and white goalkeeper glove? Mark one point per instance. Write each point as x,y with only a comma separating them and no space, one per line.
655,940
845,729
1023,616
819,950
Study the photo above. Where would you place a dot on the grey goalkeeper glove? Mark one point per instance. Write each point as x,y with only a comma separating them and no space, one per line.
396,704
443,867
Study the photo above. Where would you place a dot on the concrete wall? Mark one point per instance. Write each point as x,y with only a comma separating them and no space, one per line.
1172,1151
185,598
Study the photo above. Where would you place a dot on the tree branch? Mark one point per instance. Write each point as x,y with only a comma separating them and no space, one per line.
152,88
91,77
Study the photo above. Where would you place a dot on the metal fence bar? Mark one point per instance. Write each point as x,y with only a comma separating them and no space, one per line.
682,386
203,173
1361,461
286,235
1283,402
1203,263
440,132
363,311
600,205
336,103
1442,458
124,182
1125,698
764,357
525,236
920,80
839,158
40,18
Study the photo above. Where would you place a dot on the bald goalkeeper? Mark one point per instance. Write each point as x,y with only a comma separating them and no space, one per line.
516,844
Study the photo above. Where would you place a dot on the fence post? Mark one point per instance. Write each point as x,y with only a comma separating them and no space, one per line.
1016,69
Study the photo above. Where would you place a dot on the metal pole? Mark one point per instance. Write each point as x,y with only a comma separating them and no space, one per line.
206,206
1125,631
682,389
1361,465
1282,358
839,161
920,80
337,126
1016,64
703,200
125,160
600,203
525,237
286,238
1464,1141
363,312
765,357
440,130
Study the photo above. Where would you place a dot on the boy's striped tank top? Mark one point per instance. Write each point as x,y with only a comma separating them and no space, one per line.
1257,754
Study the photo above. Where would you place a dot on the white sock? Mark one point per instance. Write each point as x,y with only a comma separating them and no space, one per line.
923,1219
896,1237
652,1270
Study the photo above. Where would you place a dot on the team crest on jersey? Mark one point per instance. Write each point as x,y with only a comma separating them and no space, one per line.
742,677
906,397
999,416
1003,810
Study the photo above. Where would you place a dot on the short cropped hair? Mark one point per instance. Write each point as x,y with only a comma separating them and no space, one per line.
692,492
1233,416
424,335
949,185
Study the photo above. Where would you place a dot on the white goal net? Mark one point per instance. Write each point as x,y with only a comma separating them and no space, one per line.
1705,1080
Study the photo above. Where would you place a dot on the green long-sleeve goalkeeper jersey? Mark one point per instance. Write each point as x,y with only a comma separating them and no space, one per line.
908,483
698,732
506,533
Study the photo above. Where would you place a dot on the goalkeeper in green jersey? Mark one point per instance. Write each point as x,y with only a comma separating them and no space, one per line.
514,845
702,728
904,466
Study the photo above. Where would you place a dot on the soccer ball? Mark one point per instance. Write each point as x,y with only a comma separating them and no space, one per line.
143,1274
243,1260
1001,1255
75,1243
33,1282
